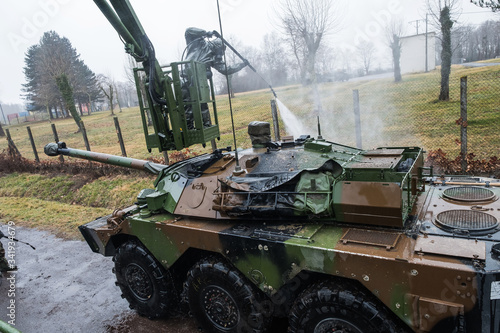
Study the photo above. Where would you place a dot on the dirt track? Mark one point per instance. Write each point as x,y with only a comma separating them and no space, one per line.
64,287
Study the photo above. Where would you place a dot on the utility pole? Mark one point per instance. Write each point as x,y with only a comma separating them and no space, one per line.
417,23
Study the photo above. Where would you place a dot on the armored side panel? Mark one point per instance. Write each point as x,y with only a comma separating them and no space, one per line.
441,274
379,187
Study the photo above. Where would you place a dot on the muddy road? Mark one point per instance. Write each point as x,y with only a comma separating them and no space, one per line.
63,287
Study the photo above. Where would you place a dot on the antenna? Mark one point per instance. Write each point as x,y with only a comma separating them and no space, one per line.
319,131
237,168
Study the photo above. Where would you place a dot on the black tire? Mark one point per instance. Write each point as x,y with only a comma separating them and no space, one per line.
329,307
145,284
223,301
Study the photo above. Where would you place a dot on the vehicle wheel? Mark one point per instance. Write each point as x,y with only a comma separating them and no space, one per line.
222,300
327,307
145,284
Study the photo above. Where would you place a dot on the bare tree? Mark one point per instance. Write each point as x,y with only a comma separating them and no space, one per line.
274,59
327,59
346,56
107,87
461,38
365,52
493,4
306,23
129,73
231,59
444,13
128,69
394,32
117,97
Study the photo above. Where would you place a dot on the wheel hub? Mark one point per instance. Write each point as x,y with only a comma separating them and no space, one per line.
336,325
139,282
220,308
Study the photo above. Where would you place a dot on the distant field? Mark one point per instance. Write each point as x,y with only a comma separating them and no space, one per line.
406,113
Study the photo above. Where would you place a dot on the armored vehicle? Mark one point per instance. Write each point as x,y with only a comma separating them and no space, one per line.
334,238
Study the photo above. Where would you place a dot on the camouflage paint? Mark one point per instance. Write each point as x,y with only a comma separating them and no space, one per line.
428,286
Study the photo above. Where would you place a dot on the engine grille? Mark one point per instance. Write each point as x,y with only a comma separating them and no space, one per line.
469,194
466,221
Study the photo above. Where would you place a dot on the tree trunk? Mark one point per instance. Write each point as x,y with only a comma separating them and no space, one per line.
67,94
111,92
80,107
49,111
311,68
64,114
2,133
118,101
396,57
446,53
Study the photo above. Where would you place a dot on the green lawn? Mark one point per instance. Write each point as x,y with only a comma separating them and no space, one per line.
405,113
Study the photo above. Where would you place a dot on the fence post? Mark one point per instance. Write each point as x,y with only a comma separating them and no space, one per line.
357,118
84,133
214,145
13,149
463,121
56,139
276,125
32,141
165,157
120,137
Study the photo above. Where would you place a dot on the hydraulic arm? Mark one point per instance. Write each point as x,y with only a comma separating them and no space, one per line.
160,88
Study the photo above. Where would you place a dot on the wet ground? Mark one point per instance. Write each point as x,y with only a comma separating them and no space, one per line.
63,286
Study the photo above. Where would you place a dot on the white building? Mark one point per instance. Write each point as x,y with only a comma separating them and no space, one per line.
413,53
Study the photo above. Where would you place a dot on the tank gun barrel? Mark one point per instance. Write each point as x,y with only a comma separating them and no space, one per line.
55,149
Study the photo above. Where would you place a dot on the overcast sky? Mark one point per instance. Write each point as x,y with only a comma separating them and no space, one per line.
23,22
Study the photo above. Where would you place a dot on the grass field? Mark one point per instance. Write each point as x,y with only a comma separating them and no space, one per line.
403,114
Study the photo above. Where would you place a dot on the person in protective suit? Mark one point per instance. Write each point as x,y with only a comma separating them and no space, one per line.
210,52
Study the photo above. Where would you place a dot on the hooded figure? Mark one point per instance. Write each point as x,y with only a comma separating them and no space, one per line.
211,53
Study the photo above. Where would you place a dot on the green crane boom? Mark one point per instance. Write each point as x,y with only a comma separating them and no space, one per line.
160,88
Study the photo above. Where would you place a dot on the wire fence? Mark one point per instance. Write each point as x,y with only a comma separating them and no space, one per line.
407,113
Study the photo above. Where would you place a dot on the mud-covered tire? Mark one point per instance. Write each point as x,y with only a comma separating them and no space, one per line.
223,301
330,307
145,284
